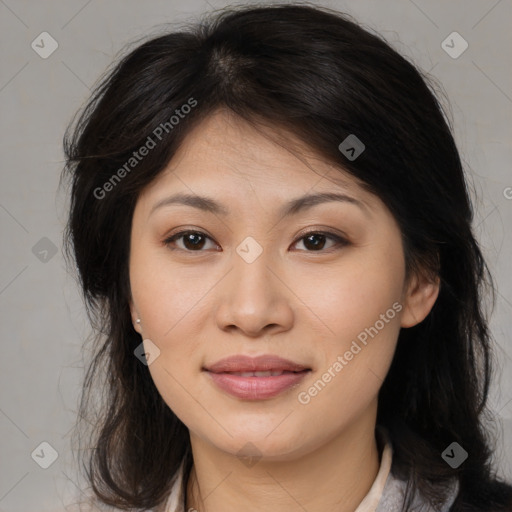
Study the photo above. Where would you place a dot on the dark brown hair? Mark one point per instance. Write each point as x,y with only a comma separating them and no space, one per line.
319,75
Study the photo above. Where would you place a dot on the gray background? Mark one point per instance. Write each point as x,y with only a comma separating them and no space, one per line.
43,322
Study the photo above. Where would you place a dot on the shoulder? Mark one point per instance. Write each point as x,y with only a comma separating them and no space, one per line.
399,489
395,496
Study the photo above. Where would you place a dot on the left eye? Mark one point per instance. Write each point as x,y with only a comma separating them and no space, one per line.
192,240
309,238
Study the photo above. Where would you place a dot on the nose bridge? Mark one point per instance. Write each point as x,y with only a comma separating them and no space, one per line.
254,297
251,275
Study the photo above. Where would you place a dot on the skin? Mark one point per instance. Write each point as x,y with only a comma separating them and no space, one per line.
296,301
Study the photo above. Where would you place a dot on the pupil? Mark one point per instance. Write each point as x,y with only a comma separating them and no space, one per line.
316,245
190,236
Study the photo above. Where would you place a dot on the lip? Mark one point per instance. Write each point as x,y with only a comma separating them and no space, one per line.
253,387
267,362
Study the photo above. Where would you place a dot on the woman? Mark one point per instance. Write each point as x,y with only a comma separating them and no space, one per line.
272,232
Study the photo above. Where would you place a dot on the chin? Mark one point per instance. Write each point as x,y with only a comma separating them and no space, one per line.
259,444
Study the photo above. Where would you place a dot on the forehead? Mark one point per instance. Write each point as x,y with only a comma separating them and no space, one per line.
224,151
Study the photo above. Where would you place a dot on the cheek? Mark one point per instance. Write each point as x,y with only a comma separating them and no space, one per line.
170,304
359,307
351,297
353,362
165,295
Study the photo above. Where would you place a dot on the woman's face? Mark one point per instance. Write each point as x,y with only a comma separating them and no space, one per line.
264,279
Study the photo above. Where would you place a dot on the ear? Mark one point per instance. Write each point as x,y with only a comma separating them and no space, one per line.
134,314
420,297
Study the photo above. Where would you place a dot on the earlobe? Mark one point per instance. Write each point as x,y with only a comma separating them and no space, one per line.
420,298
135,318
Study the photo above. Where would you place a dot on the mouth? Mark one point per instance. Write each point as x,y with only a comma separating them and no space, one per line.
256,385
257,378
261,366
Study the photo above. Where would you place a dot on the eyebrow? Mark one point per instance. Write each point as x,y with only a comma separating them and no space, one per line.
292,207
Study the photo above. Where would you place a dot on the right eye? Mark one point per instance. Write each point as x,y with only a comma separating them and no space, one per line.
193,241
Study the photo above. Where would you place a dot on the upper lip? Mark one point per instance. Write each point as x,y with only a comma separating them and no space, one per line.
241,363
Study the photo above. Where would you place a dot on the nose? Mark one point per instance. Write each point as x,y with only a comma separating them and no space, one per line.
254,299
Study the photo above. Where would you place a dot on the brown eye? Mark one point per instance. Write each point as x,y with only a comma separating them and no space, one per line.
315,241
193,241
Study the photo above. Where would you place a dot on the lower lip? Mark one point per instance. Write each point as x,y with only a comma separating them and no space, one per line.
256,388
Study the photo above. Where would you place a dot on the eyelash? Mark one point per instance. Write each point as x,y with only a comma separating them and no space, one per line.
340,241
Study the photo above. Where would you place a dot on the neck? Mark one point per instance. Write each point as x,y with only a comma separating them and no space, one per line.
336,476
